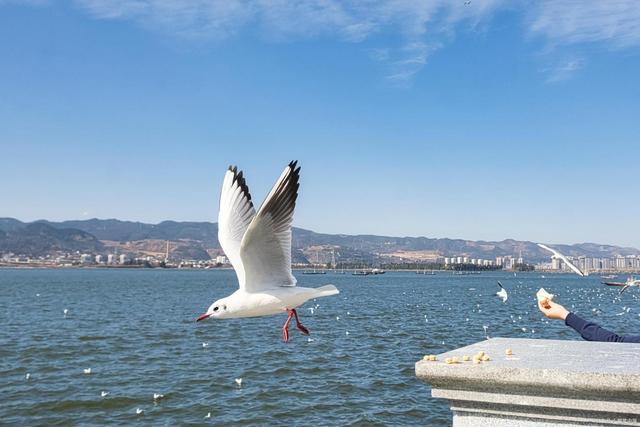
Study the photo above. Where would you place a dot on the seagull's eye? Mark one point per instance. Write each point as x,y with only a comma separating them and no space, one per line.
215,308
224,307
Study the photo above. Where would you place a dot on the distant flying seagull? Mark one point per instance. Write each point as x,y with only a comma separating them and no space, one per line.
630,282
258,245
502,293
564,259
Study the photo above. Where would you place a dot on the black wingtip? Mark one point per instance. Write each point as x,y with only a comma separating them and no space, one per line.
239,178
292,166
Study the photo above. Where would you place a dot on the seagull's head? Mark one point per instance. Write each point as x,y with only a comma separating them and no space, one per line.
218,309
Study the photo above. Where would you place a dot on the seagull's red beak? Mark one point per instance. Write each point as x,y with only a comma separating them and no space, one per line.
203,317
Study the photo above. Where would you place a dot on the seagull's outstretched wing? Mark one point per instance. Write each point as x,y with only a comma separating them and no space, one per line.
236,213
266,246
563,258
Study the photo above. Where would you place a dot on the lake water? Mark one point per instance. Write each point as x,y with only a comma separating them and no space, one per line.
135,329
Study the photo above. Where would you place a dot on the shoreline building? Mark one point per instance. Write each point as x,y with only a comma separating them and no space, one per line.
627,263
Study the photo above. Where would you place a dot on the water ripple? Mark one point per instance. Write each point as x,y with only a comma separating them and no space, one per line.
136,331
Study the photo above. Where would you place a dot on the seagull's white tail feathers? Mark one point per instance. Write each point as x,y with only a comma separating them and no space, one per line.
326,291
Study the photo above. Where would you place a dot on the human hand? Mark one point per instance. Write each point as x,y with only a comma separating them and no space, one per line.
552,310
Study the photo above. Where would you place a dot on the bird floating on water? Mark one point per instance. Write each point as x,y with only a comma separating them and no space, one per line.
139,411
65,311
104,393
558,255
502,293
27,377
238,382
205,344
258,245
157,396
87,371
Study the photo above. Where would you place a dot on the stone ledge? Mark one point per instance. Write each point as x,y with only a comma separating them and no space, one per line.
544,382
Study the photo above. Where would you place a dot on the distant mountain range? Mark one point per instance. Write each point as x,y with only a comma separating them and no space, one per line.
198,240
40,238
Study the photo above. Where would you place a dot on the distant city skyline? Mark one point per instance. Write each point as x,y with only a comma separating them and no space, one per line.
485,121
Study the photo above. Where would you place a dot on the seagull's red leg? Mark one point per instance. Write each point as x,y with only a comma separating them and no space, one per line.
285,328
300,325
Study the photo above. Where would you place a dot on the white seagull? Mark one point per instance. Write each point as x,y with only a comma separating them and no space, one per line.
630,282
558,255
502,293
258,245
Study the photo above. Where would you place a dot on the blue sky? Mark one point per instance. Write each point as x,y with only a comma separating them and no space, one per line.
489,120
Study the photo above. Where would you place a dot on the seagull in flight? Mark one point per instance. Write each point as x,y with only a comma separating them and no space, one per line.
630,282
558,255
258,245
502,293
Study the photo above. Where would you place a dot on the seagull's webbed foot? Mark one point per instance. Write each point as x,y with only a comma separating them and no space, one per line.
299,325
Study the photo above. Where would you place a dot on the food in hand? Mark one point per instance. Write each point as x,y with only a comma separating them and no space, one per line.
544,297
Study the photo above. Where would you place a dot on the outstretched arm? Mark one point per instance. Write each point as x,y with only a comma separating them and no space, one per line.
588,330
593,332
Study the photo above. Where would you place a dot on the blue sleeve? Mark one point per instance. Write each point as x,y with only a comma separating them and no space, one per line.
593,332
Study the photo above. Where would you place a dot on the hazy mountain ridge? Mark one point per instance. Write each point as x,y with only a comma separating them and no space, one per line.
35,239
114,229
196,238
